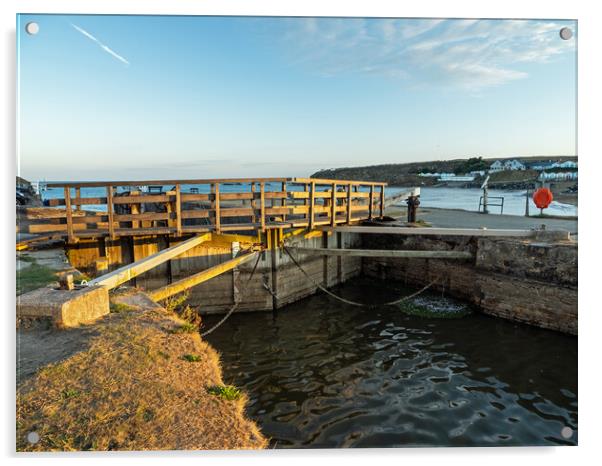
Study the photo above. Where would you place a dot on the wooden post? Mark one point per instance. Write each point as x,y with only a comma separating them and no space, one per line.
78,195
312,203
382,201
110,211
283,203
262,205
349,203
135,209
216,207
69,214
178,210
371,209
254,217
333,207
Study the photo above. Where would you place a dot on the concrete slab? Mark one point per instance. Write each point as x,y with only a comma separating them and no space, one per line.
65,308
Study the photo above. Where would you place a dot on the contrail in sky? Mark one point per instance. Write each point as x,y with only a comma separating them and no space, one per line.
100,44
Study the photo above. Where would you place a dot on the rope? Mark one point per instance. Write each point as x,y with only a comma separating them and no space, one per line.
235,306
355,303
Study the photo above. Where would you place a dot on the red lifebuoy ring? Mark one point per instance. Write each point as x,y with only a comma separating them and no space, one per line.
543,198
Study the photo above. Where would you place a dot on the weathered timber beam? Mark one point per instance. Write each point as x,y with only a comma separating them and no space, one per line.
384,253
198,278
127,272
432,231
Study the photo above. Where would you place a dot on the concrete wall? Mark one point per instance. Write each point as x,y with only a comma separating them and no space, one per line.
526,281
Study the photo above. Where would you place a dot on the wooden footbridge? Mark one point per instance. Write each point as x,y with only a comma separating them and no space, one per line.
180,207
254,214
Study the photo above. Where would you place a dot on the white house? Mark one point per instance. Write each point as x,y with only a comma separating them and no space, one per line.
568,164
514,165
559,176
498,165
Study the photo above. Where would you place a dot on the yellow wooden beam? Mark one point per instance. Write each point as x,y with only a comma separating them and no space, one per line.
127,272
198,278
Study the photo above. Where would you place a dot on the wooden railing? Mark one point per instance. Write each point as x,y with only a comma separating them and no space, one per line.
176,207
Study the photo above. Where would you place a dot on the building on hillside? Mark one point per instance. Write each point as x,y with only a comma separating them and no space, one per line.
514,164
558,176
496,166
452,177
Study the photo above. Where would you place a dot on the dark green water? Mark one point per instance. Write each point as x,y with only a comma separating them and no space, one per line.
320,373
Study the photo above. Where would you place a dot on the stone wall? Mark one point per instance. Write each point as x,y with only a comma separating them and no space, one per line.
527,281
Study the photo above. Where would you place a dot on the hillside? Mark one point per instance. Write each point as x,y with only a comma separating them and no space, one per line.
406,174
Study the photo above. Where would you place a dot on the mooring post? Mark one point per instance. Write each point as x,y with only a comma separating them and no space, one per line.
527,203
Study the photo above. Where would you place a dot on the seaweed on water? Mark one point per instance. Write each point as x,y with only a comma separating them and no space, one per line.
435,308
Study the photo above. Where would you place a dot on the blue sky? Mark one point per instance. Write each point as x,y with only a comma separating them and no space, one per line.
139,97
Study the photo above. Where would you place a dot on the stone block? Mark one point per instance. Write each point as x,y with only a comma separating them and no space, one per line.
66,308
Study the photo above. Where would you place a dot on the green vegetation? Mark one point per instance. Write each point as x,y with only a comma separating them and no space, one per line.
70,393
472,164
33,277
191,357
226,392
185,328
413,309
173,303
117,308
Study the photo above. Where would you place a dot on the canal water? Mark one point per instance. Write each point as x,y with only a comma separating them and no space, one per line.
320,373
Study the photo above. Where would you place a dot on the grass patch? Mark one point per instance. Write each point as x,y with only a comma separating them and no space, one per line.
128,390
117,308
173,303
185,328
192,357
70,393
33,277
225,392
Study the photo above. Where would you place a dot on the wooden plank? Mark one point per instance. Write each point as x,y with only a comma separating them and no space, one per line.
141,198
186,197
318,194
77,195
382,201
312,204
349,204
433,231
78,201
384,253
198,278
209,181
370,211
283,201
333,206
262,205
253,217
127,272
69,214
144,216
178,210
110,211
215,207
328,181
